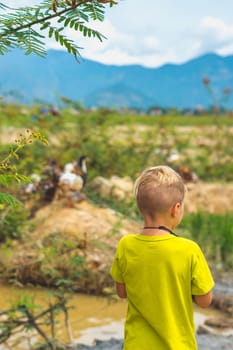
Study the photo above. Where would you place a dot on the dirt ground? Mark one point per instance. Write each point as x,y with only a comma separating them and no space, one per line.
215,198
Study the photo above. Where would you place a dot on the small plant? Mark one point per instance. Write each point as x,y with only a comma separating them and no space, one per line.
219,99
8,172
25,320
12,222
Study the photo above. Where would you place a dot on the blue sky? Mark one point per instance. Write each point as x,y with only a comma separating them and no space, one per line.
156,32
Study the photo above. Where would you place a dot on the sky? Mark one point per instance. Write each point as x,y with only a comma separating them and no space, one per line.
156,32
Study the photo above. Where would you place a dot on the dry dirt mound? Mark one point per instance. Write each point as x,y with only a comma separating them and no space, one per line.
75,243
84,219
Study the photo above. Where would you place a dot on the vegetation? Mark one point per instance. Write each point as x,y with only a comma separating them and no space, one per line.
8,172
13,223
214,233
24,27
123,145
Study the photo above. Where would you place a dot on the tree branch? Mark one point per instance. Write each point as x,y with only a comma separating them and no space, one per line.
38,21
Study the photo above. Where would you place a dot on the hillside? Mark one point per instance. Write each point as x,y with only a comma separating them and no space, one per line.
31,78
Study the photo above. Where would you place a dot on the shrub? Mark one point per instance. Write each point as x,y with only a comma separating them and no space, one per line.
13,222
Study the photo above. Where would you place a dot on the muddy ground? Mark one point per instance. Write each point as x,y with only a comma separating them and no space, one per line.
205,342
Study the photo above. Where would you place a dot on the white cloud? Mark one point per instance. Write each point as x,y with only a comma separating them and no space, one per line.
152,42
226,50
215,35
216,27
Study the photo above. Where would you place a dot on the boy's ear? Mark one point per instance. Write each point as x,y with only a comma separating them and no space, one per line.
175,208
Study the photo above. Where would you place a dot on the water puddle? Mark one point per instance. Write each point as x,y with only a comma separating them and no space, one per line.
90,317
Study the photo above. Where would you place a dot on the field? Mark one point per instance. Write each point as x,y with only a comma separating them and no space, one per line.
122,145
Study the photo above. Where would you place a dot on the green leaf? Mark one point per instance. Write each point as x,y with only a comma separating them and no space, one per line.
6,180
67,21
76,26
37,12
61,40
68,46
28,52
85,31
6,198
22,178
45,25
84,16
72,23
56,35
61,19
51,29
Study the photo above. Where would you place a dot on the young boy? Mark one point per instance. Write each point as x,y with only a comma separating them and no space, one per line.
160,273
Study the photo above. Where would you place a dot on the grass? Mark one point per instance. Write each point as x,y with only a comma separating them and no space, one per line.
214,233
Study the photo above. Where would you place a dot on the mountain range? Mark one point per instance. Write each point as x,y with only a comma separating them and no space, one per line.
95,84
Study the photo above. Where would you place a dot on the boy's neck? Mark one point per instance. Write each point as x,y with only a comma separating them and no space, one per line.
158,228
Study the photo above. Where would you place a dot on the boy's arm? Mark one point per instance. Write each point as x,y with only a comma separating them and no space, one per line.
203,300
202,280
121,291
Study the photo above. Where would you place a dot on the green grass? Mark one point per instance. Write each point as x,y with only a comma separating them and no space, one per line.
214,233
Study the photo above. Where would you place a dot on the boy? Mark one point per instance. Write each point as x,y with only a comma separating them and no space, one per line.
160,273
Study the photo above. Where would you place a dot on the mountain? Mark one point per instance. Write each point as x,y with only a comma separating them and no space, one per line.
96,84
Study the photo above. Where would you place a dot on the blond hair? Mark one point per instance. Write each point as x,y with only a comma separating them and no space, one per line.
157,189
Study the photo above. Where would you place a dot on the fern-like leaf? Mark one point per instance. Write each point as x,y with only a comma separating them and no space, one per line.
16,25
6,198
6,180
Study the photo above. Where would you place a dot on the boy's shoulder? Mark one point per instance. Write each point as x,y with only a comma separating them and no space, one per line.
178,240
128,237
187,241
188,245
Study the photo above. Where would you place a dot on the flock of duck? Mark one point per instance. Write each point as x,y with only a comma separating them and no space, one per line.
55,181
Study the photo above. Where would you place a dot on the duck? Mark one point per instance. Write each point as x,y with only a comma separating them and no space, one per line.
80,168
32,186
187,174
74,175
49,181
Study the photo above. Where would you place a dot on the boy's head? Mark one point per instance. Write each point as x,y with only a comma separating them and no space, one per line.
157,189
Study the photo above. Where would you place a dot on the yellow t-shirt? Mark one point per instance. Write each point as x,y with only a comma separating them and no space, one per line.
161,273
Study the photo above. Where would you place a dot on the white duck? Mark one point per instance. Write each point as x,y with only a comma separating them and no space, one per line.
74,175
